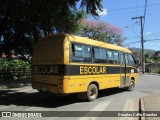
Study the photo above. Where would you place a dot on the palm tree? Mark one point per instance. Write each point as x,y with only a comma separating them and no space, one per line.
148,58
91,6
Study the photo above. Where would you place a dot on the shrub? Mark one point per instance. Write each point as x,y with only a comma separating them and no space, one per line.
4,64
14,69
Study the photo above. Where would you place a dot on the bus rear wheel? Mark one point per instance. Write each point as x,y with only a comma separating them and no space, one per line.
131,86
92,92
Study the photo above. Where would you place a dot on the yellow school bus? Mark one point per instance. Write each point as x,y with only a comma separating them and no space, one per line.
65,64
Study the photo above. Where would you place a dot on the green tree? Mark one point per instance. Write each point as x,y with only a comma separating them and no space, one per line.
101,31
91,6
23,22
156,58
148,58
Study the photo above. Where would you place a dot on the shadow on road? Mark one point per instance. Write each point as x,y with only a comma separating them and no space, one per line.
47,100
109,92
15,83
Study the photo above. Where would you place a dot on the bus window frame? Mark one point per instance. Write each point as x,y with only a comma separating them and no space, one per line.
117,62
134,65
101,60
91,61
79,58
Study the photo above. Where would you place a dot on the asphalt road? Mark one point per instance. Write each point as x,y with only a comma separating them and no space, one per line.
27,99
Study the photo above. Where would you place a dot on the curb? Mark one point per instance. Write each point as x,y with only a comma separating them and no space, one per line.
142,104
142,108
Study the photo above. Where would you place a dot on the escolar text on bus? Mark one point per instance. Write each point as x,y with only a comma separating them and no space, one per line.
92,70
45,69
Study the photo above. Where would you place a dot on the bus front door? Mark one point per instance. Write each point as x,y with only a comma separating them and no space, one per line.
124,76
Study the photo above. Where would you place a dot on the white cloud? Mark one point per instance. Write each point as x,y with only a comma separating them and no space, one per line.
102,13
148,33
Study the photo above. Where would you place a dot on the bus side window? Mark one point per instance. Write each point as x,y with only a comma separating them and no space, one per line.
131,60
81,53
110,56
126,59
86,51
115,57
77,50
96,53
99,55
121,57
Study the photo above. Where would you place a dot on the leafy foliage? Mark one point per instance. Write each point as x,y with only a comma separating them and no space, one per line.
92,6
14,69
4,64
19,64
101,31
23,22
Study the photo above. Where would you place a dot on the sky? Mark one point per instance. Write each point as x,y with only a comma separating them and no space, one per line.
120,13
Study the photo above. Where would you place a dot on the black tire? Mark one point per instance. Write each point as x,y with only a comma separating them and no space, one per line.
131,86
92,92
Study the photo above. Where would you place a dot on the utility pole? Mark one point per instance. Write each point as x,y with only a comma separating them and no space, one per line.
142,43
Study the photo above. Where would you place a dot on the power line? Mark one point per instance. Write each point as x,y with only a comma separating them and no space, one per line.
145,9
129,25
148,36
152,36
133,42
133,37
145,40
153,40
126,14
157,34
136,6
119,12
133,31
133,7
151,14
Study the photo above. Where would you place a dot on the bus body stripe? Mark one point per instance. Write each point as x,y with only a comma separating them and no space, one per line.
79,70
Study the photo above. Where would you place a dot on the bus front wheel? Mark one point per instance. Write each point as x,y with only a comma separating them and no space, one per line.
92,92
131,86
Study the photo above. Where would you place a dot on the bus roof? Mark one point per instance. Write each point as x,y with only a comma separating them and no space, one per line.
88,41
